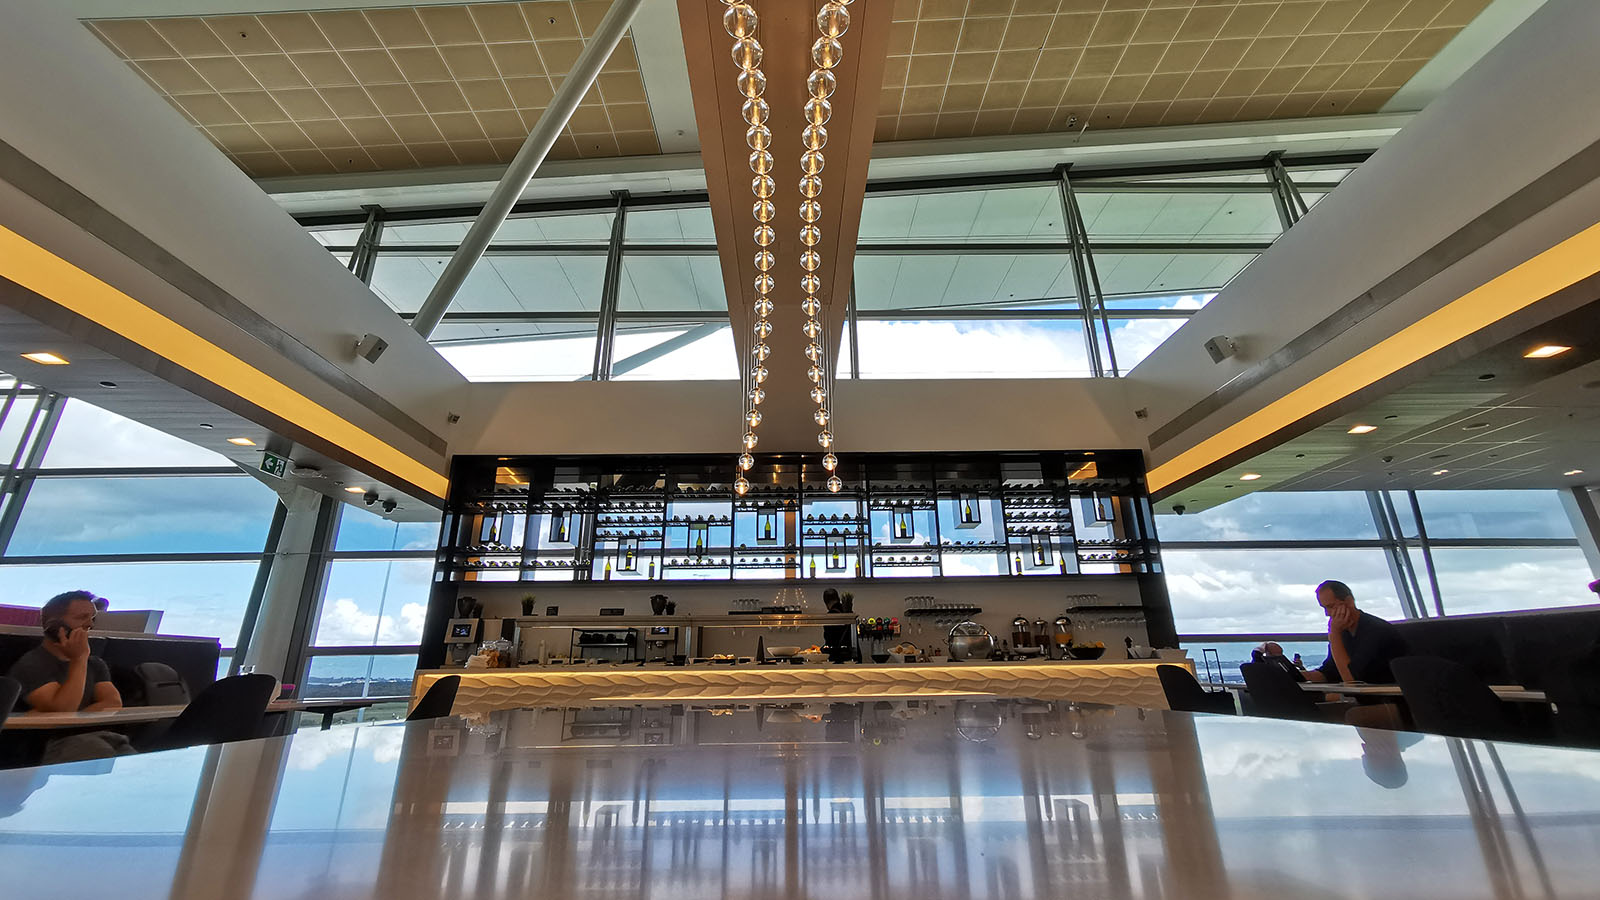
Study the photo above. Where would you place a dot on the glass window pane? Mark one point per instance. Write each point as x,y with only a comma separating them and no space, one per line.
688,225
362,530
1274,516
551,351
1485,579
359,676
1139,275
1487,514
88,437
1255,591
498,283
671,283
1233,654
1031,213
15,425
1135,339
983,281
374,601
201,514
342,236
1159,301
665,351
558,228
205,599
972,348
1186,217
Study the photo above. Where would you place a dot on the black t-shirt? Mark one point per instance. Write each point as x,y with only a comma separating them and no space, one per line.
39,667
1372,647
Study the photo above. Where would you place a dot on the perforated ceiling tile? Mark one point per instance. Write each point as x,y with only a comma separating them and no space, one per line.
1050,65
392,88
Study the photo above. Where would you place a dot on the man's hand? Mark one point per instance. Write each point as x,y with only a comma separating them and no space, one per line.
76,645
1343,620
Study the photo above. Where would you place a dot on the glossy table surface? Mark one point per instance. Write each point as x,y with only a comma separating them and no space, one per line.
924,799
134,715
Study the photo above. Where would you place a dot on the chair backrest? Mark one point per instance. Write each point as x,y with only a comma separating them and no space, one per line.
1275,693
229,710
1185,693
437,701
10,690
1445,697
160,685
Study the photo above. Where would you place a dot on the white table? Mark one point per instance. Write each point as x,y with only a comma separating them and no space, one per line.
128,715
1511,692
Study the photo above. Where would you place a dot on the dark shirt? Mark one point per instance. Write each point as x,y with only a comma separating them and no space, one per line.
1373,645
39,667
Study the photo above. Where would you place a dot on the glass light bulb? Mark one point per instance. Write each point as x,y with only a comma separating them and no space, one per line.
764,235
812,328
830,462
758,137
810,306
814,137
757,395
752,82
762,186
825,438
820,416
761,351
810,211
810,187
765,260
818,394
826,53
759,374
811,162
834,484
810,235
763,328
810,260
816,111
746,461
815,374
753,416
756,111
761,162
813,352
810,284
749,440
741,485
763,211
832,20
740,20
747,53
763,307
821,84
764,283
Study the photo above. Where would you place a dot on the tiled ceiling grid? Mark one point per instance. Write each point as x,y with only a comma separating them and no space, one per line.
959,68
394,88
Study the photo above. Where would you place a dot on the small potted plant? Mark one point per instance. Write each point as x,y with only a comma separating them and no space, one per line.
658,604
527,605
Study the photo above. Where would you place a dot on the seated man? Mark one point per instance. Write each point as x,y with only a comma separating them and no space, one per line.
1271,653
1360,645
59,675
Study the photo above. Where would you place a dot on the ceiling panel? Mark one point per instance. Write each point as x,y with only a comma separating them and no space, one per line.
391,88
959,68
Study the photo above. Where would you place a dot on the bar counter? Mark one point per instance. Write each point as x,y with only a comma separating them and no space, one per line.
1119,682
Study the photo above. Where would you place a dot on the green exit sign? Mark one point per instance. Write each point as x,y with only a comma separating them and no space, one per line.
273,464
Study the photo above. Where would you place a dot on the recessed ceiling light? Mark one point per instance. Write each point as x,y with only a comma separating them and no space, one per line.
1545,351
108,384
1362,429
1441,471
1573,472
355,489
1487,376
1391,416
1249,476
242,442
46,358
1475,426
206,425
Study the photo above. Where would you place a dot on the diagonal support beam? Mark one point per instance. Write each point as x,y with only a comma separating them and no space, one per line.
526,163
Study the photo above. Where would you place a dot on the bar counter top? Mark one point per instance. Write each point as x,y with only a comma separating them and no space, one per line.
1126,682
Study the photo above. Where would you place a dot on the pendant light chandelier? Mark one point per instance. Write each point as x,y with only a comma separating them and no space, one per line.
833,19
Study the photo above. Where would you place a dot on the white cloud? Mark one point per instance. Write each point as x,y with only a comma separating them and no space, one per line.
345,622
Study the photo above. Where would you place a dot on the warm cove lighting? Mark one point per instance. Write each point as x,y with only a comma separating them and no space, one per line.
46,358
1561,266
50,276
1362,429
242,442
354,489
1545,351
1249,476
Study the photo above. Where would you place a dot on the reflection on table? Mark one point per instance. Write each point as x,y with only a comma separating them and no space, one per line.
887,799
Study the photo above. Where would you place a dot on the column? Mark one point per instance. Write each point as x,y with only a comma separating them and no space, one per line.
292,585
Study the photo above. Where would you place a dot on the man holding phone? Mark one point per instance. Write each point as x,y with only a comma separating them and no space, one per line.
59,675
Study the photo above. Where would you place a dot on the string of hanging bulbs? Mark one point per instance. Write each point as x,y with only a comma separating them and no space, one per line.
833,20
